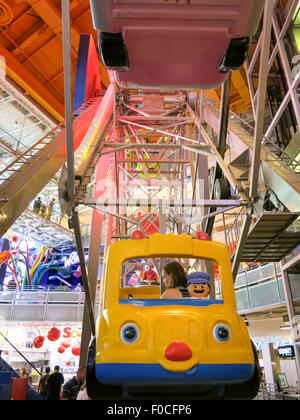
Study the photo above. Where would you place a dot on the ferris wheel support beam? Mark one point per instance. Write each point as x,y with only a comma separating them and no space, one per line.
65,4
258,135
261,100
222,141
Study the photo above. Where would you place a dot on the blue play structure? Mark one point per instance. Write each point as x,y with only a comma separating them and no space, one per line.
60,269
4,246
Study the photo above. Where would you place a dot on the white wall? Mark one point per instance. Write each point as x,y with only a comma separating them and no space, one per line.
289,368
268,330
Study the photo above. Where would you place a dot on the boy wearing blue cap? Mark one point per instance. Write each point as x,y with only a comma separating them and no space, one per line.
198,285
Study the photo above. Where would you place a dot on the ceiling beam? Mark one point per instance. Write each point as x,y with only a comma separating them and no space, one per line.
27,81
28,37
53,18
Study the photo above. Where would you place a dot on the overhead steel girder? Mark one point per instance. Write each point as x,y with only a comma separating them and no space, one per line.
261,102
124,202
201,149
89,305
227,172
222,141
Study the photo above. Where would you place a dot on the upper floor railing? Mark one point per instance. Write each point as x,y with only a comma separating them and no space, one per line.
259,287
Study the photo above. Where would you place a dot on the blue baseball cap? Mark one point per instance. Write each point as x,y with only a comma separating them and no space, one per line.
198,278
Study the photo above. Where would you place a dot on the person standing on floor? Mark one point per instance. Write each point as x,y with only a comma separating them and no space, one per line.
43,385
43,210
50,208
37,205
54,383
73,386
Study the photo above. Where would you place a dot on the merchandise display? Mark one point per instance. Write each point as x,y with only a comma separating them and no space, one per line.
42,346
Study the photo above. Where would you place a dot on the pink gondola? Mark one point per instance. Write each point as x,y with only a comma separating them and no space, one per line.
175,44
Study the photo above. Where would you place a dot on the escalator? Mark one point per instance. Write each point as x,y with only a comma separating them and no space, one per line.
279,172
27,175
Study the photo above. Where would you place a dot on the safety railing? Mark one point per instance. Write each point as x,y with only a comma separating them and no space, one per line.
232,234
259,288
33,152
43,303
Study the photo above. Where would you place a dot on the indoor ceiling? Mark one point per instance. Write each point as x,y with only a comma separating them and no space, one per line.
31,42
19,128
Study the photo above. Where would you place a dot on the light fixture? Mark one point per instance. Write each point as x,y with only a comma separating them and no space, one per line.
285,327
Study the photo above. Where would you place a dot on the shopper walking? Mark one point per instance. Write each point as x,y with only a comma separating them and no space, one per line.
43,210
54,383
73,386
24,373
43,385
37,205
82,394
50,208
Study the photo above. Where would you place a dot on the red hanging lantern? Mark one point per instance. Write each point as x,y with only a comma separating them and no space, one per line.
38,342
53,334
15,238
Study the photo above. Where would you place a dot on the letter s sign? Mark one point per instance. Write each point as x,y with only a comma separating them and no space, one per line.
67,332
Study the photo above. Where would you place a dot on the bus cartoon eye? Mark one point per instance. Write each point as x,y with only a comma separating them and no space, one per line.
129,333
222,333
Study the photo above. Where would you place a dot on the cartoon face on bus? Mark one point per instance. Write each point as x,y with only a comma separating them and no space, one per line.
146,343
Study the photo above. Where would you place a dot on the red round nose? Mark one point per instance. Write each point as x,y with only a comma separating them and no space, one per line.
178,352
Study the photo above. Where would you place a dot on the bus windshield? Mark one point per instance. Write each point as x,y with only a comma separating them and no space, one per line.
189,278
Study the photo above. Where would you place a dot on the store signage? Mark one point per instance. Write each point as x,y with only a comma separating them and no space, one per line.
286,351
73,258
69,333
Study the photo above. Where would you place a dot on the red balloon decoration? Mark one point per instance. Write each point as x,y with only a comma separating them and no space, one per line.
76,350
53,334
38,342
15,238
61,349
66,343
